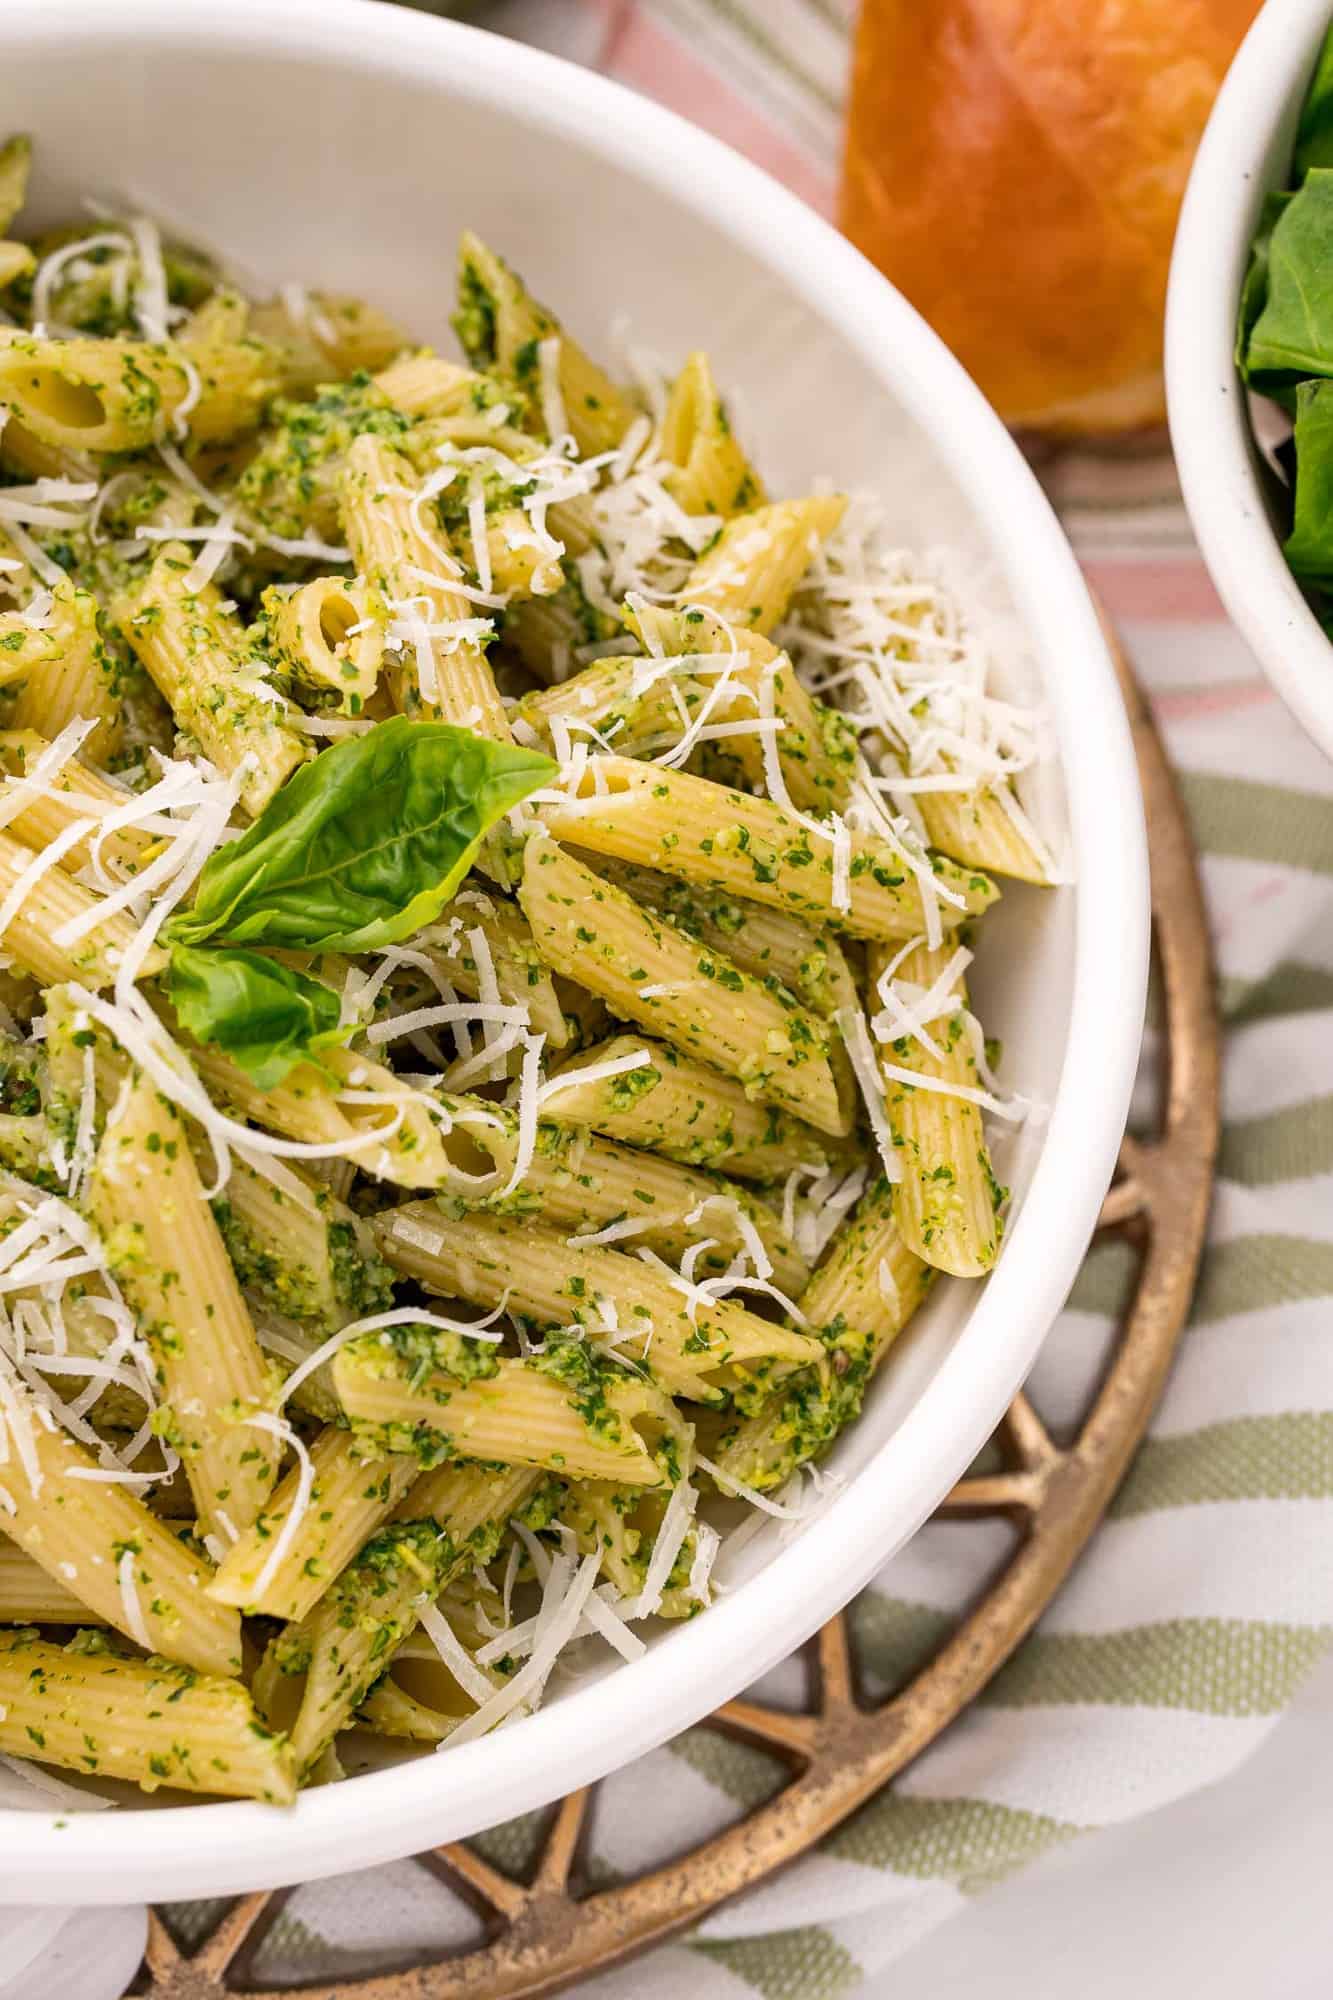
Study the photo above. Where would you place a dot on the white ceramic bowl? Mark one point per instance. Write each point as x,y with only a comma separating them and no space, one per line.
337,141
1245,151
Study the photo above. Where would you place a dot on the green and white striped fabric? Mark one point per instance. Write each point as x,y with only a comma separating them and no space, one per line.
1208,1594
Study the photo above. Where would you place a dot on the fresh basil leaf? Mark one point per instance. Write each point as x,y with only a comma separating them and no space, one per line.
1309,547
265,1016
366,844
1314,134
1254,291
1292,337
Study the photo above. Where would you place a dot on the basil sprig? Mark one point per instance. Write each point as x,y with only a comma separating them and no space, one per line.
357,850
366,844
263,1014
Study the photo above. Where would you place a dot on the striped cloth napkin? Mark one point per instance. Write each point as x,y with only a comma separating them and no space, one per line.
1208,1595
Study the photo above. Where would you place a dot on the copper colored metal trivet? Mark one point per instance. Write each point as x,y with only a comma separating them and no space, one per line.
543,1932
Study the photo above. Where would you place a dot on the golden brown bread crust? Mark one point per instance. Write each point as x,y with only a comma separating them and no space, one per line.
1015,166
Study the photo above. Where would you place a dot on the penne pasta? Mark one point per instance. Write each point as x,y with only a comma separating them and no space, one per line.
72,791
707,1349
505,331
462,987
312,1528
424,384
589,1419
317,1673
29,1596
97,1539
754,850
861,1297
948,1202
751,571
329,635
521,979
195,650
594,1187
978,829
439,668
237,373
778,949
88,394
295,1245
702,1002
68,672
164,1248
43,900
147,1722
712,474
688,1112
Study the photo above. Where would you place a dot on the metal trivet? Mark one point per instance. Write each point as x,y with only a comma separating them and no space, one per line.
545,1931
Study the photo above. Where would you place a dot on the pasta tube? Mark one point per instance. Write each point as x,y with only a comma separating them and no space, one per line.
948,1202
97,1539
521,979
286,1560
975,828
424,384
15,167
90,394
816,747
694,1114
196,652
712,474
577,1181
81,793
862,1296
21,452
504,331
330,636
352,334
237,373
708,1350
43,900
144,1721
697,999
752,849
444,675
415,1138
751,571
768,944
28,1596
68,671
164,1248
316,1673
297,1246
568,1411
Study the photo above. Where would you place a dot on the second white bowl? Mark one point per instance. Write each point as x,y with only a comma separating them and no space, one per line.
1245,151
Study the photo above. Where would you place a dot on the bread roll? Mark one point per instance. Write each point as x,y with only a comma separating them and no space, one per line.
1015,166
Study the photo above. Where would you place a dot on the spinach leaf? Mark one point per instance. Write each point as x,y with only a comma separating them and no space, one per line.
1314,134
1309,547
1292,337
265,1016
364,845
1254,291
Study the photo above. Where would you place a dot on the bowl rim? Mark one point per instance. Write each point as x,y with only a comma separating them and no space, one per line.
235,1846
1206,400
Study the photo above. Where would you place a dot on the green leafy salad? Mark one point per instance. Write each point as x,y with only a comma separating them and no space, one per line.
1284,337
